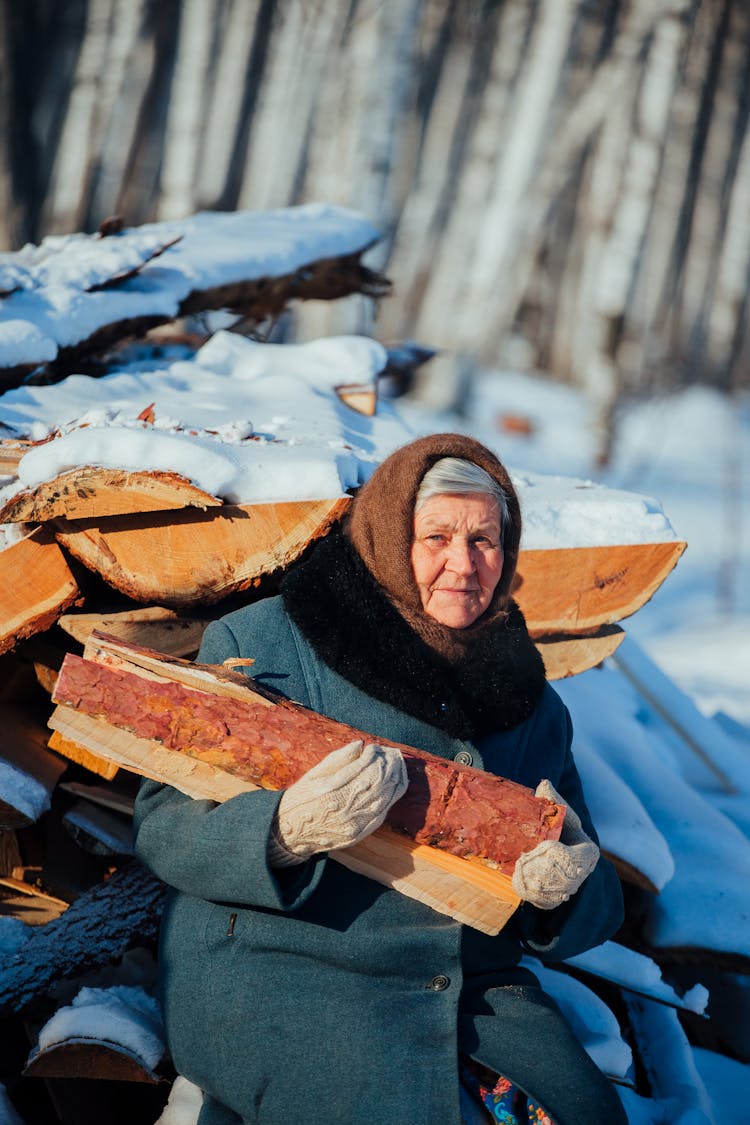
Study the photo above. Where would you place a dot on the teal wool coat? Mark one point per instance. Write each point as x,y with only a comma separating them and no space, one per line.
315,996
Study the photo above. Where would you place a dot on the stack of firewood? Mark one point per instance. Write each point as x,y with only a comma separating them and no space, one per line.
115,573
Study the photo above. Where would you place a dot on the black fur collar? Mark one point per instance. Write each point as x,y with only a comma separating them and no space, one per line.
356,631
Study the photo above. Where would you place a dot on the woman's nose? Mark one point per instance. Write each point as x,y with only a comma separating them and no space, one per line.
460,556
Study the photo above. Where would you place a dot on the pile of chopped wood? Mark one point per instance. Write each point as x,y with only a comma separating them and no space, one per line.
119,570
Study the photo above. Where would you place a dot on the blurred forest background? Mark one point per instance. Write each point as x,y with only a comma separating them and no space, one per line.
562,185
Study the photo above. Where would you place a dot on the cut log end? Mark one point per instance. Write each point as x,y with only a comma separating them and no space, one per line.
154,560
91,492
579,589
87,1058
566,656
36,586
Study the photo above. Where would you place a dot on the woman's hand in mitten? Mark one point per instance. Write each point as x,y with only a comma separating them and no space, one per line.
555,869
339,801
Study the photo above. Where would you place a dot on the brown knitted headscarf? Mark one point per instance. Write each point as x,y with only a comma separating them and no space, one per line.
380,527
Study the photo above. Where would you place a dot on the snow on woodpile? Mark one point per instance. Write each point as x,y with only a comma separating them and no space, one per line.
244,421
123,1015
248,422
637,973
58,294
23,792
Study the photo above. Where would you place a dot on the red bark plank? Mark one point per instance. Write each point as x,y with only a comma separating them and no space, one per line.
456,808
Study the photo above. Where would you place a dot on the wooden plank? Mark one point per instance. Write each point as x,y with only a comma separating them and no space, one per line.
154,627
36,585
579,589
27,903
89,492
198,556
451,806
70,749
568,656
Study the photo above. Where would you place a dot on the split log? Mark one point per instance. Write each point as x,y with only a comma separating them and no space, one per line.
464,889
305,252
81,756
361,397
89,492
255,300
569,655
153,627
198,556
97,929
579,589
271,742
461,867
11,452
36,586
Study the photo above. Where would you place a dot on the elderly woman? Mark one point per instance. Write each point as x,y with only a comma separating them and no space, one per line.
297,991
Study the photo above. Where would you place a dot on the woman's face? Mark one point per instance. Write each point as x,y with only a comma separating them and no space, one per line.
456,556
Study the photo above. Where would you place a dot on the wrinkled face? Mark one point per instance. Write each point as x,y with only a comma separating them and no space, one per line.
456,556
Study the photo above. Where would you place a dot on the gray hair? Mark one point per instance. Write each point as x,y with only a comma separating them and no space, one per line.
456,475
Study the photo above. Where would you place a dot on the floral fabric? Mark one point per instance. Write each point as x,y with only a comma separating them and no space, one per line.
486,1096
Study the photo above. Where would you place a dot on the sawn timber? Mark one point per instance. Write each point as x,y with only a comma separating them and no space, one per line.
213,733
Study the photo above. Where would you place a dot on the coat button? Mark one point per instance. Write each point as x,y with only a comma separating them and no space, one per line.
439,983
464,758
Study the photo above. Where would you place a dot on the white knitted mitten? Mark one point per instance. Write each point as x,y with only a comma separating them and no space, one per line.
338,802
555,869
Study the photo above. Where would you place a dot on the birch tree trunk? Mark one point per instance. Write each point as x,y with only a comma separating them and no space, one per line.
184,131
64,210
564,174
229,64
496,242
